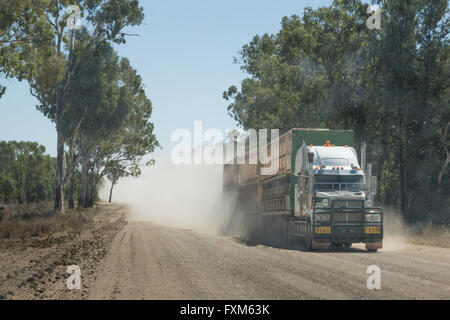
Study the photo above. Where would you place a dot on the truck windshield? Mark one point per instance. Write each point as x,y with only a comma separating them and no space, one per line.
327,183
335,162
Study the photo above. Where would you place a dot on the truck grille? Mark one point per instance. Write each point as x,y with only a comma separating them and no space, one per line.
348,204
348,217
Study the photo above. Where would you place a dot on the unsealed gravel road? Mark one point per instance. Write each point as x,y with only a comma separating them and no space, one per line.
36,268
148,261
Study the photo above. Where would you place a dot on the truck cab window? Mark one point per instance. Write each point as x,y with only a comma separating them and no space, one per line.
339,183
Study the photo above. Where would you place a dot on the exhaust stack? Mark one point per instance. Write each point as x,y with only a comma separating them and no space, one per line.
364,157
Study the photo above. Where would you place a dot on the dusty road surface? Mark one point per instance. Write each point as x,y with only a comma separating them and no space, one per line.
36,268
148,261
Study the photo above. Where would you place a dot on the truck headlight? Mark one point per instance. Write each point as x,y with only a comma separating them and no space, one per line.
369,203
325,202
373,217
321,217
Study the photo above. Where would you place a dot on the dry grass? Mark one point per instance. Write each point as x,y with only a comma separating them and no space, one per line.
431,235
25,221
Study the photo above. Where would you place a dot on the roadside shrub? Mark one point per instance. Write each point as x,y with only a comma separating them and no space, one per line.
21,222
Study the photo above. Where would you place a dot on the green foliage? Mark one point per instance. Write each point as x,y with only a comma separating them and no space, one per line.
26,173
94,101
36,45
24,36
121,154
326,69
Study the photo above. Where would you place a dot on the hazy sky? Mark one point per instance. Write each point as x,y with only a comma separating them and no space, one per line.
184,55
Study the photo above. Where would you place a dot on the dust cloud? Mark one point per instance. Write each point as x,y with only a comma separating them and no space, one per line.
396,231
191,197
183,196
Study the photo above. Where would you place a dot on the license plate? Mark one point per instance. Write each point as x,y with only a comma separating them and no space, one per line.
373,229
323,229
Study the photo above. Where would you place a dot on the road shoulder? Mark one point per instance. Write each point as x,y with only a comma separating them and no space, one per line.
36,268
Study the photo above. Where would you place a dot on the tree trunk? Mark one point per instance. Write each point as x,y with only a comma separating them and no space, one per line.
92,192
71,201
83,196
401,178
404,189
110,192
60,168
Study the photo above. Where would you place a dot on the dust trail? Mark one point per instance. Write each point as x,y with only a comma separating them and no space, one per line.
191,197
184,196
396,231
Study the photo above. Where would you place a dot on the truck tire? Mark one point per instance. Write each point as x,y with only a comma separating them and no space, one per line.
289,238
308,236
336,244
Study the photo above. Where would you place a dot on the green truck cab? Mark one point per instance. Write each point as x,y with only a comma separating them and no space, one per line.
319,192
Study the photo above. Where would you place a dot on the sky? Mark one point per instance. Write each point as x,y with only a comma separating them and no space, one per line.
184,54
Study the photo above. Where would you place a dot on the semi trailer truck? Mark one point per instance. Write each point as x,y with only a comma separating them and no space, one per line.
319,191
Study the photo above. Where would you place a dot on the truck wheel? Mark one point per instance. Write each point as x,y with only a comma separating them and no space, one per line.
288,233
308,236
336,244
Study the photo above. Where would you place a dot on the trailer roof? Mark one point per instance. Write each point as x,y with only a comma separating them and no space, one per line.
310,136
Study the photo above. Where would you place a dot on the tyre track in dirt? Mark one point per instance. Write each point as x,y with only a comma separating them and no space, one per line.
36,268
149,261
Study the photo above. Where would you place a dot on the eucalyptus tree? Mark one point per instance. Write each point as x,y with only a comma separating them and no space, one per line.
94,106
26,172
122,151
50,67
325,68
309,67
23,37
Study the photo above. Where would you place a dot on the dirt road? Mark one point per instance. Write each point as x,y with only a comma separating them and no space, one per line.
36,268
148,261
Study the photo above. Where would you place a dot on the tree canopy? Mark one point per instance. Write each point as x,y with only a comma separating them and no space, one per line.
81,84
326,69
26,172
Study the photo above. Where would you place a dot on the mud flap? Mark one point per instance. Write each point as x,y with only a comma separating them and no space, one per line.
374,245
319,245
